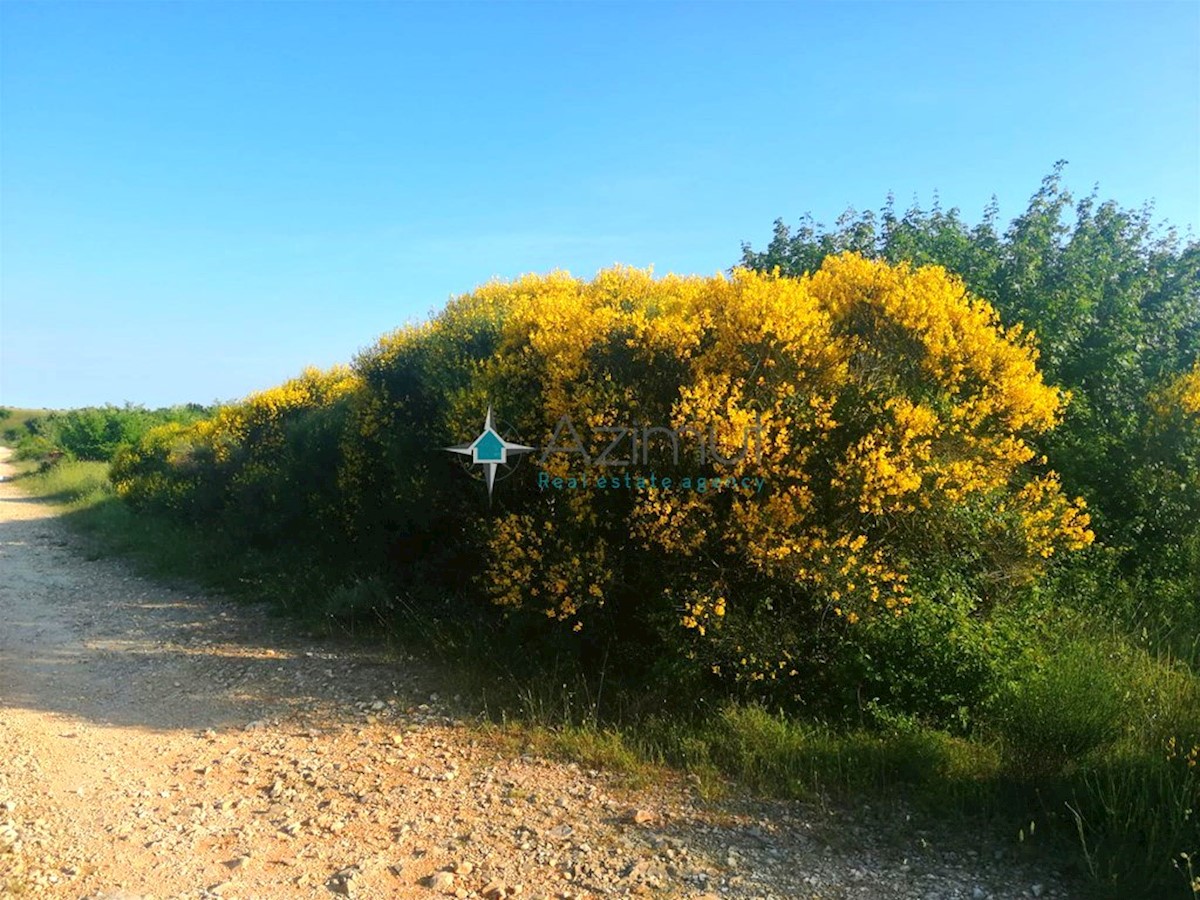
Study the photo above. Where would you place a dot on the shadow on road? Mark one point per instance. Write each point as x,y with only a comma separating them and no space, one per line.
93,639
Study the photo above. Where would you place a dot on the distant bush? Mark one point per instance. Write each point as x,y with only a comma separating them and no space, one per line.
264,469
35,447
97,433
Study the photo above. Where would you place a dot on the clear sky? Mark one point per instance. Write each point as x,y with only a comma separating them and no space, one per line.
197,199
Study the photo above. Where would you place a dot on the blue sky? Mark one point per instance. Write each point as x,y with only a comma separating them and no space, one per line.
199,199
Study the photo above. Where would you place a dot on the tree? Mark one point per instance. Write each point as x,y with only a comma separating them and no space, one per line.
1113,301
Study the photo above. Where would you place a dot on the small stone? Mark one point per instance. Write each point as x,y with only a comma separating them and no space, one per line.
464,867
493,890
1037,890
641,816
441,881
343,882
978,894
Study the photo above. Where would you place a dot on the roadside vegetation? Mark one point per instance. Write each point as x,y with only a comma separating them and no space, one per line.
93,433
972,582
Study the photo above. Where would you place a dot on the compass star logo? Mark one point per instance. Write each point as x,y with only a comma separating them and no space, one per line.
490,450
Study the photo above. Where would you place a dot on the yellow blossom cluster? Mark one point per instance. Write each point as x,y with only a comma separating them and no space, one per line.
700,610
1180,398
542,568
1048,521
260,413
882,404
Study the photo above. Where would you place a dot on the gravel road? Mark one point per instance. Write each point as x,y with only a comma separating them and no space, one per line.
159,742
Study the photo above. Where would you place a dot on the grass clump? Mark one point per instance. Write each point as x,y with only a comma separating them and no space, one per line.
1073,704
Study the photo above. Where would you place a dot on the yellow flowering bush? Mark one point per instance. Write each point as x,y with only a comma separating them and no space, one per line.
259,464
815,454
885,413
161,469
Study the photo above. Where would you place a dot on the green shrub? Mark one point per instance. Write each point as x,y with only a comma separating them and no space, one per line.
940,662
1074,703
35,447
362,603
97,433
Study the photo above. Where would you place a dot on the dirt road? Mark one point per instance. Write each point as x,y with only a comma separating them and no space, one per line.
156,742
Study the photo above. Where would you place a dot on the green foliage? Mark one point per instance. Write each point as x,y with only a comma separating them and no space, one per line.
36,447
72,483
1070,706
360,604
1115,304
95,433
13,423
1135,817
264,471
939,663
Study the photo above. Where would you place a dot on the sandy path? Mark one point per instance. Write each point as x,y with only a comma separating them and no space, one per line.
157,742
